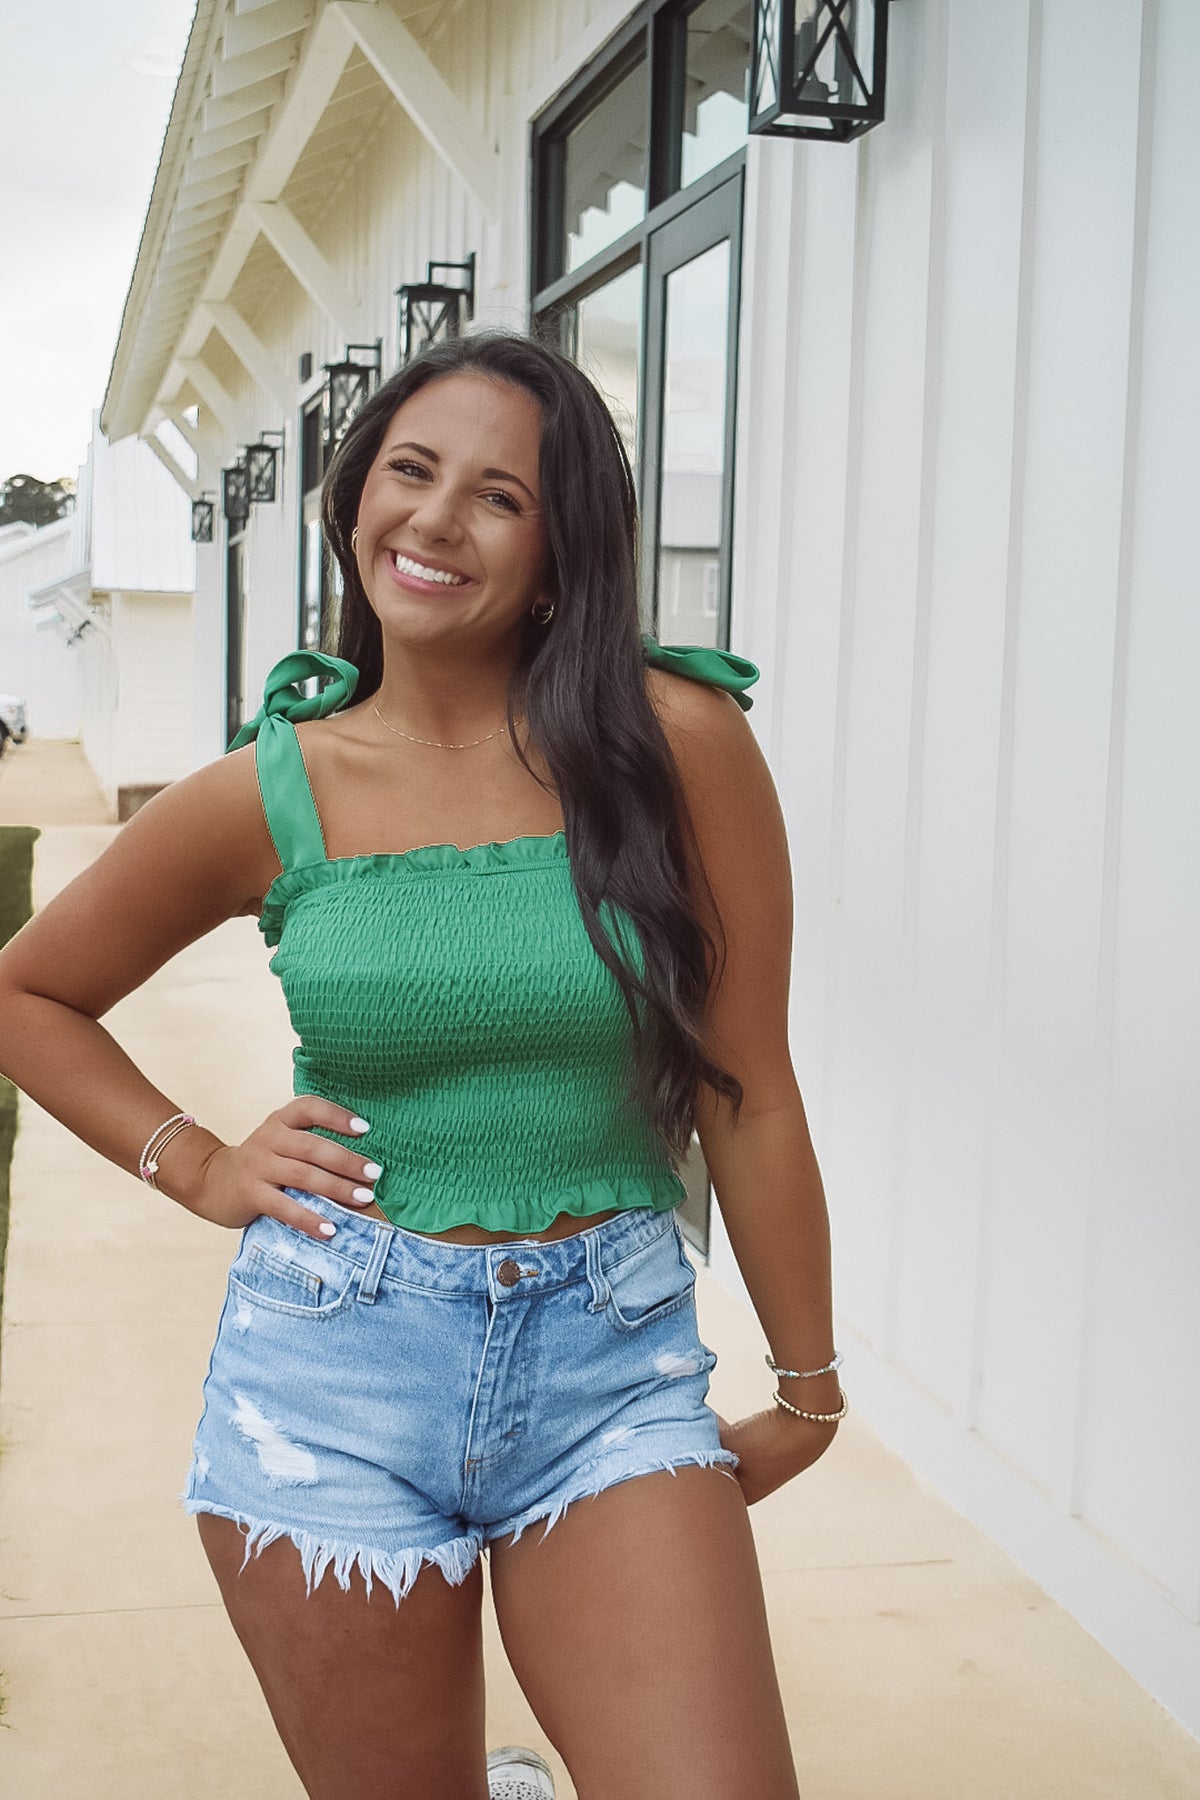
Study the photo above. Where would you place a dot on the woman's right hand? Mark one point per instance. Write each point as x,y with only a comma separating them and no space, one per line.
232,1184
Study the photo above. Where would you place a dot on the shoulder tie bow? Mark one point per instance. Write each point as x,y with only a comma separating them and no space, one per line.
283,701
716,668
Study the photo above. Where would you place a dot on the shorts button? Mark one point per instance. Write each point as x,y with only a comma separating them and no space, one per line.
508,1273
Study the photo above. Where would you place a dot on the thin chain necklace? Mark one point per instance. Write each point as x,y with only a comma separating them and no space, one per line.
432,742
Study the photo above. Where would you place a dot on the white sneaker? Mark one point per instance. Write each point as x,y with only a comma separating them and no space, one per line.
515,1773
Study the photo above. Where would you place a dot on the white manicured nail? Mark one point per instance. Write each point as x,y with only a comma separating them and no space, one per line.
363,1195
372,1171
359,1125
326,1230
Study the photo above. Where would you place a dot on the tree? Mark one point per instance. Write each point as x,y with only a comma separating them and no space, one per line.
26,500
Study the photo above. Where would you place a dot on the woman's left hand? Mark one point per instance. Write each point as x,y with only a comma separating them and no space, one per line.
772,1447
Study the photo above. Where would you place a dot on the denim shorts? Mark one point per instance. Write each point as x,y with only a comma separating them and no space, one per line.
388,1400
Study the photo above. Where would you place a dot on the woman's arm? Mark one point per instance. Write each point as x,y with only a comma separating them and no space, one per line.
762,1164
197,854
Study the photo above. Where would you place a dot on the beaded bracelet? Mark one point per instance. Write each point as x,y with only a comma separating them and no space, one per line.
806,1374
816,1417
157,1142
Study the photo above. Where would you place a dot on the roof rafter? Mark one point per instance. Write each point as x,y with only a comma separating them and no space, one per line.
426,97
265,25
236,73
225,137
252,353
312,270
214,395
207,449
220,111
191,488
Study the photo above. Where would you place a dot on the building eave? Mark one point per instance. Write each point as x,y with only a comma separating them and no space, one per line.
119,406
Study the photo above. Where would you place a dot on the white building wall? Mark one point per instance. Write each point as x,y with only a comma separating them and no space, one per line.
152,636
962,559
99,695
966,468
37,665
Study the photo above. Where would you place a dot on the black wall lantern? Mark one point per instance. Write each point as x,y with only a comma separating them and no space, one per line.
435,309
262,464
203,511
235,494
350,386
818,67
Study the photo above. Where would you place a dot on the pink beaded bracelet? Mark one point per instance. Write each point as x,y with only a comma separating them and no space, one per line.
157,1142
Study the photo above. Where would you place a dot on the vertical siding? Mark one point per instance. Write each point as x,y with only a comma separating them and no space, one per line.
954,749
1071,477
1140,1485
980,645
151,637
877,652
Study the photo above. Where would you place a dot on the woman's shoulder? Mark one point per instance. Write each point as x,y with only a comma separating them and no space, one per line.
721,769
704,726
685,704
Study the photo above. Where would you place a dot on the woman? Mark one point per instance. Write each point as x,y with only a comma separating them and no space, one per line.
529,884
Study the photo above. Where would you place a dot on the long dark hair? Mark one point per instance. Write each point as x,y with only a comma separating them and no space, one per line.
581,685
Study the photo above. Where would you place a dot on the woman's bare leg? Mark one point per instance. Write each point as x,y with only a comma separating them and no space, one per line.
372,1701
639,1635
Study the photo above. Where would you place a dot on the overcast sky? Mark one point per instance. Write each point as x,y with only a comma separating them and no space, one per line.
85,92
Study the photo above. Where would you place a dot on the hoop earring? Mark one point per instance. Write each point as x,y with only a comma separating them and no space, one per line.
354,540
542,611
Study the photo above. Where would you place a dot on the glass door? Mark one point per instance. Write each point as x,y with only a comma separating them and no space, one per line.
687,414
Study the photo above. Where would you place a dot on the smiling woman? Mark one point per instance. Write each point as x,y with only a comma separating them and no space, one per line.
526,881
451,504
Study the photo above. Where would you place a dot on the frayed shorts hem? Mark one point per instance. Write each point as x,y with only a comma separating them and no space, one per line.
591,1489
397,1570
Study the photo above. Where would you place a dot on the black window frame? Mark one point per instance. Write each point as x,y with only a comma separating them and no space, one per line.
656,34
312,438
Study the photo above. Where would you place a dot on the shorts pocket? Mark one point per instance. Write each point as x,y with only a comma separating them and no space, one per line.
651,1284
312,1283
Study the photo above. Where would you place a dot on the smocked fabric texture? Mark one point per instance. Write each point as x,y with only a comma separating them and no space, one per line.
453,999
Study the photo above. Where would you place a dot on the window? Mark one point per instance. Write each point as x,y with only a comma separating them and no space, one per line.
636,261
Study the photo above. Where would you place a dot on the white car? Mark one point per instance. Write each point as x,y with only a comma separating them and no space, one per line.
13,723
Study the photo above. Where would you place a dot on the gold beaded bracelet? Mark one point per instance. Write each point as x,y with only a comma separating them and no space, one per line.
816,1417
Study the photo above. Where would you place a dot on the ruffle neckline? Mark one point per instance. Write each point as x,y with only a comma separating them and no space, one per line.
506,856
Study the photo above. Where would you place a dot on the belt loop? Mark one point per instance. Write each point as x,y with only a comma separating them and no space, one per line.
368,1286
595,1274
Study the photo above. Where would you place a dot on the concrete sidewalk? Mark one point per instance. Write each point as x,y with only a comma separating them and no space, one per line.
917,1662
49,781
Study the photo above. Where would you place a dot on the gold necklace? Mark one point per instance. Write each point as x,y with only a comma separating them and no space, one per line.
432,742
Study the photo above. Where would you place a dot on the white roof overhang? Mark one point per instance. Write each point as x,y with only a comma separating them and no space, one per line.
66,606
257,79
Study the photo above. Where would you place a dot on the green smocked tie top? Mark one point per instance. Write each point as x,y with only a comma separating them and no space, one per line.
453,998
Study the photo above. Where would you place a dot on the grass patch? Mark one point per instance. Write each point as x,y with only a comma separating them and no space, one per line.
16,906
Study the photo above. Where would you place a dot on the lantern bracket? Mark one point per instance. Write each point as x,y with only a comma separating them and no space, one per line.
436,309
204,508
262,466
350,384
818,68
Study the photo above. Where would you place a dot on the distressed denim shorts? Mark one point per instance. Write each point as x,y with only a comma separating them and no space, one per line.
387,1400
